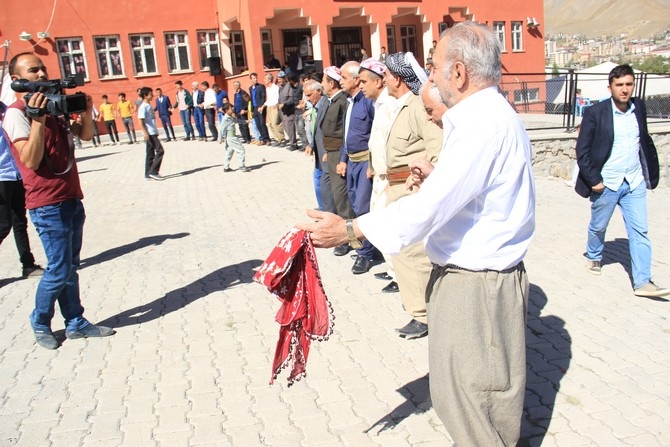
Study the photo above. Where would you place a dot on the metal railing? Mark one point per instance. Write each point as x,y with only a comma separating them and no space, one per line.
548,101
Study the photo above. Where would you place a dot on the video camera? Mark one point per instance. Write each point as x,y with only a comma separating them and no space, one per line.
58,104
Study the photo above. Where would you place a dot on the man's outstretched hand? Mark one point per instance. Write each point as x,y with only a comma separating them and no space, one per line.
327,231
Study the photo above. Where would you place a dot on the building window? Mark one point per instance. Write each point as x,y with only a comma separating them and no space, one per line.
408,38
237,49
294,40
71,57
208,46
517,34
346,45
108,52
390,39
442,27
526,95
176,45
143,47
266,44
499,30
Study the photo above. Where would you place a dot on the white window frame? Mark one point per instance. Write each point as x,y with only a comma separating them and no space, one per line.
208,39
179,42
111,55
147,42
517,36
499,30
70,48
531,94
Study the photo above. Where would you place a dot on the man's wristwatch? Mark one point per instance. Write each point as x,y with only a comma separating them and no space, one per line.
353,241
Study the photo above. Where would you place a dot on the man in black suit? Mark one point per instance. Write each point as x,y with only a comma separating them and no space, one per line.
258,98
618,162
164,109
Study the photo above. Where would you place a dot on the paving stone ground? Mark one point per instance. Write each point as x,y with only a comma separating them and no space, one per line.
169,266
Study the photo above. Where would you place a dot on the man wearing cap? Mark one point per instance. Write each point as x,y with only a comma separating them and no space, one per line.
332,127
355,156
371,75
411,137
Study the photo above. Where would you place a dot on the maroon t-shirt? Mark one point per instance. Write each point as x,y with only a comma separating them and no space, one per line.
43,186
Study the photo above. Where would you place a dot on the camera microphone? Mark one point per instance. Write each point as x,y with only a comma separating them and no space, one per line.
25,86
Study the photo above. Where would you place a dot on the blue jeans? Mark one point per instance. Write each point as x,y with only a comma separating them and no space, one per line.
60,227
186,121
633,205
317,187
199,120
359,189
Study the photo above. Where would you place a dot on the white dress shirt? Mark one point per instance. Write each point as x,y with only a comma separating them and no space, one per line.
476,209
210,99
272,93
624,160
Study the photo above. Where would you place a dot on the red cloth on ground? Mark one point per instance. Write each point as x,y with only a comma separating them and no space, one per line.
291,273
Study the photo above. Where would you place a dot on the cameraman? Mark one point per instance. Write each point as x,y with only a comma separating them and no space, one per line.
42,148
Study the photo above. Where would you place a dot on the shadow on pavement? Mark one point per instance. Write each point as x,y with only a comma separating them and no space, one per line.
193,171
6,281
617,252
91,170
92,157
417,395
125,249
548,354
177,299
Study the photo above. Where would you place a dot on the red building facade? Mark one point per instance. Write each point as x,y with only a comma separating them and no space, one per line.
121,46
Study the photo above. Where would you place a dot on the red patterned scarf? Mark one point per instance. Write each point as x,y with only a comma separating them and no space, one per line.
291,273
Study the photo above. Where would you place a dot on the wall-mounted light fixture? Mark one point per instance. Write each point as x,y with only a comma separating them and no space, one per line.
531,22
25,36
43,34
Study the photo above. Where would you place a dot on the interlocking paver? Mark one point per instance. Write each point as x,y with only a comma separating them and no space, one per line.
169,265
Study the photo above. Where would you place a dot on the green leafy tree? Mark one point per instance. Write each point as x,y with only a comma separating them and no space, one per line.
654,64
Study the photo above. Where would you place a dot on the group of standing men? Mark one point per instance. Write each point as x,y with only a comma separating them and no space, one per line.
471,207
463,197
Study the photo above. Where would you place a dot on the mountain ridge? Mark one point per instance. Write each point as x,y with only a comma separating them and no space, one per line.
594,18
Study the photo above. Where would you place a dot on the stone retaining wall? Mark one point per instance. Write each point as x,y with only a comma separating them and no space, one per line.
555,156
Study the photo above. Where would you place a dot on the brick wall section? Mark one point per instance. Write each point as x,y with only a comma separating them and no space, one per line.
554,156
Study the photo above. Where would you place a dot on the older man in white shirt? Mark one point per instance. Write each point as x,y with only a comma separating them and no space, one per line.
475,212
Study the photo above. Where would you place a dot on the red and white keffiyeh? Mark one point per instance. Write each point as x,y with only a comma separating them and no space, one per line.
291,273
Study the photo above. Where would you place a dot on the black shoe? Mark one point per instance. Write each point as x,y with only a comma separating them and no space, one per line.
384,276
245,169
341,250
361,265
413,329
90,331
391,287
33,271
227,170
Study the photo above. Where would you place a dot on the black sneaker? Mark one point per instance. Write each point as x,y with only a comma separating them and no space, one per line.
227,170
156,177
413,329
33,271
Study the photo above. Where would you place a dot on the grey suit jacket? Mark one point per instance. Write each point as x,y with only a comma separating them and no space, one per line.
319,149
